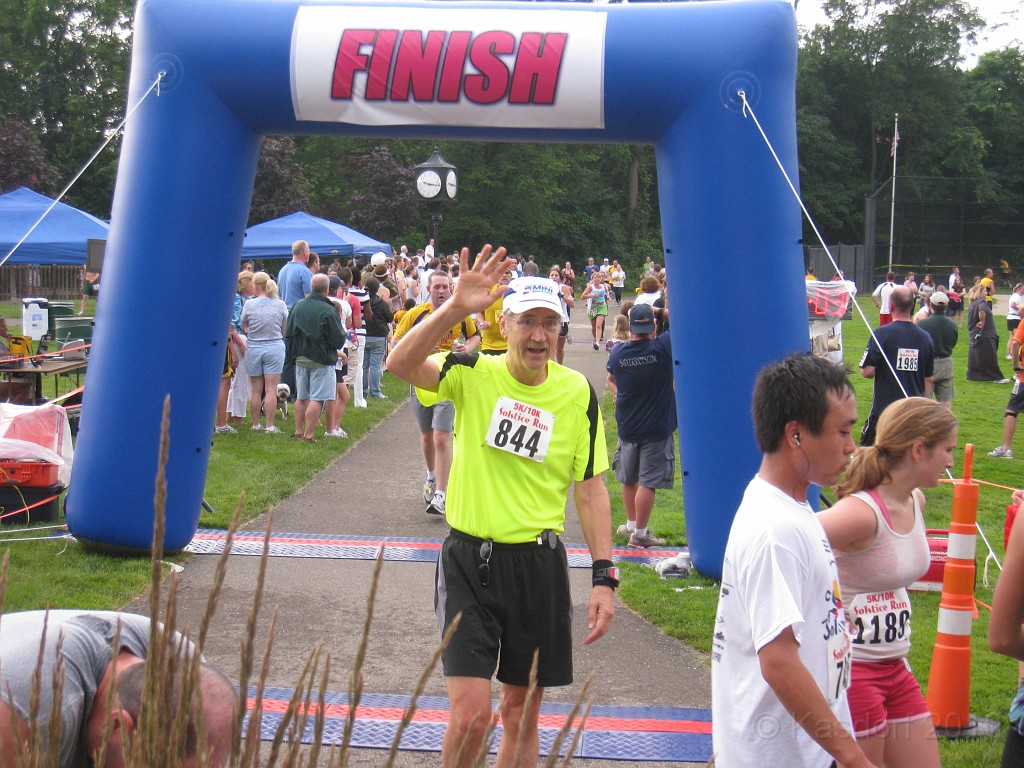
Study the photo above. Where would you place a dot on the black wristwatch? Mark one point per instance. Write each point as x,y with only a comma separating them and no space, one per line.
605,574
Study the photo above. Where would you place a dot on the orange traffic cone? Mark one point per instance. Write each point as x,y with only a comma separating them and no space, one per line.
949,682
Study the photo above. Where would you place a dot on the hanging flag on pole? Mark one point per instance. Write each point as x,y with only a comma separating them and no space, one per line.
895,142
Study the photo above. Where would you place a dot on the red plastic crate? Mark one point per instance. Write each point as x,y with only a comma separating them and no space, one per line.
32,474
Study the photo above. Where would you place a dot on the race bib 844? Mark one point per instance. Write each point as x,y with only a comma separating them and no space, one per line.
520,429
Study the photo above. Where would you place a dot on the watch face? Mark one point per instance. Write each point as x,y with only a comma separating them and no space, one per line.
428,184
452,184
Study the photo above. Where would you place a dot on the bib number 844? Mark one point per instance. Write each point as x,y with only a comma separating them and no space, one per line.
518,440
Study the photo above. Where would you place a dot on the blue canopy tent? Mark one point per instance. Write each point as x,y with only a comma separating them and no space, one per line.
59,239
273,239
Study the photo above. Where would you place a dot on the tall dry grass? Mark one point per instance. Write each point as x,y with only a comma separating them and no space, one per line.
172,698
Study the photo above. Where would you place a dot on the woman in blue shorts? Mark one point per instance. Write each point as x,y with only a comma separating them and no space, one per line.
263,320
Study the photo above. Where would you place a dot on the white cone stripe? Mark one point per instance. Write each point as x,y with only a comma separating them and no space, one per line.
962,546
955,622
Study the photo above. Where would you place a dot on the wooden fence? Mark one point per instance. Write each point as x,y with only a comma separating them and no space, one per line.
51,281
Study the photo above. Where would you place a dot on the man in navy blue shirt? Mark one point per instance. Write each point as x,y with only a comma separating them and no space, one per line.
910,352
640,375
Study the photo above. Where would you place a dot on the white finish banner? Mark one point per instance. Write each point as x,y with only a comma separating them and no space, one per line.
475,67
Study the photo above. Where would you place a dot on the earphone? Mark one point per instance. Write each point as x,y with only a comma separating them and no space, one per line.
796,438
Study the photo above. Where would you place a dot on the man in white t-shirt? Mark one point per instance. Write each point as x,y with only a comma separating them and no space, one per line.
781,651
881,298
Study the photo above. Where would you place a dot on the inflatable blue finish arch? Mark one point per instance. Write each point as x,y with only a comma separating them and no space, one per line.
667,74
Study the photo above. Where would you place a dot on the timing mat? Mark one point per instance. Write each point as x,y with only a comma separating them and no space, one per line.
209,541
662,734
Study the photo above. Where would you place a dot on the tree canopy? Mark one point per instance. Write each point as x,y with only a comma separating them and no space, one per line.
63,83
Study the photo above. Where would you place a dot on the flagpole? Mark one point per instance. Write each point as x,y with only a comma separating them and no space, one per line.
892,211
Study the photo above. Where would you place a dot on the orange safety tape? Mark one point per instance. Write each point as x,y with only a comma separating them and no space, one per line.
61,352
30,506
980,482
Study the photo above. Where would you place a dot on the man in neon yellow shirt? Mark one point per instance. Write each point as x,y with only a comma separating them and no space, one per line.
437,421
530,427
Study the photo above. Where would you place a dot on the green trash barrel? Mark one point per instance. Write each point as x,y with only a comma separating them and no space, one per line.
59,309
73,327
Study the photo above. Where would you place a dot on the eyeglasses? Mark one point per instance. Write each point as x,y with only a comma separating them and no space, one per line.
528,323
484,571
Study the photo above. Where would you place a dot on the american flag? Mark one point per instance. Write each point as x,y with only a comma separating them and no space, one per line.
895,143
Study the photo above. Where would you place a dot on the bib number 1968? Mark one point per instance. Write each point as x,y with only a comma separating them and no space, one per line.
520,429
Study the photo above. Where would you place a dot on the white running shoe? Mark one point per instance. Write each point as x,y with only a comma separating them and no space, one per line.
436,506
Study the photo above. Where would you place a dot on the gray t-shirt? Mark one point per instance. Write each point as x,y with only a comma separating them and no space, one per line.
263,318
86,651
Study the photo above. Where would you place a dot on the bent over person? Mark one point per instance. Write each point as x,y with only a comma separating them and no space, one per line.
527,426
81,642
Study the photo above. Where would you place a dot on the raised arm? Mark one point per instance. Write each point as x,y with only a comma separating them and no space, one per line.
476,290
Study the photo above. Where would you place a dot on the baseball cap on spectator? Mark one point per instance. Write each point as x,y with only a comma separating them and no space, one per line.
940,299
335,283
530,293
378,259
641,319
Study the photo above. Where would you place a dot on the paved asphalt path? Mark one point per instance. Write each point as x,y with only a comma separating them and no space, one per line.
375,489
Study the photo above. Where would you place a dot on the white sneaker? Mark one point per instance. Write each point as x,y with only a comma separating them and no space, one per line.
257,427
428,490
1001,453
360,404
272,431
339,432
623,530
227,429
436,506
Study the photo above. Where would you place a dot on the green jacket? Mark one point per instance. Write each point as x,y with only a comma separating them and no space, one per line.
314,330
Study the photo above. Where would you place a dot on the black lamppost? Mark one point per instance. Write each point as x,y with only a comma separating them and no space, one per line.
437,182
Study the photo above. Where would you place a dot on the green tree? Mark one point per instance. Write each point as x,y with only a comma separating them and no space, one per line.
872,60
996,106
559,202
280,187
23,162
64,71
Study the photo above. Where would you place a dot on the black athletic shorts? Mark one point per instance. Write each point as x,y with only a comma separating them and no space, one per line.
524,607
1016,403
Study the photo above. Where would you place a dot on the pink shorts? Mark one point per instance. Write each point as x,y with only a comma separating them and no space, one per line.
882,693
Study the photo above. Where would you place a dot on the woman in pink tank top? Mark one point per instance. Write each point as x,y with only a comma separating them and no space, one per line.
877,532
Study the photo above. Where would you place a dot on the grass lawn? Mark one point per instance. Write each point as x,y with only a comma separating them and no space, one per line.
62,574
685,608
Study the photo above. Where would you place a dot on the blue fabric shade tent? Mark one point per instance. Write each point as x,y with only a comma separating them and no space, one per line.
273,239
59,239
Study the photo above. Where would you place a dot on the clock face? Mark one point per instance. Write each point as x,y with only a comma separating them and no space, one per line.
428,184
452,184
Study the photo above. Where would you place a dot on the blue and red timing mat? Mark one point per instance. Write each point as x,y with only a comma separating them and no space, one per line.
650,734
209,541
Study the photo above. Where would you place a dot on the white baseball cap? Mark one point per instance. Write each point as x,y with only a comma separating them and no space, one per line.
378,259
530,293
